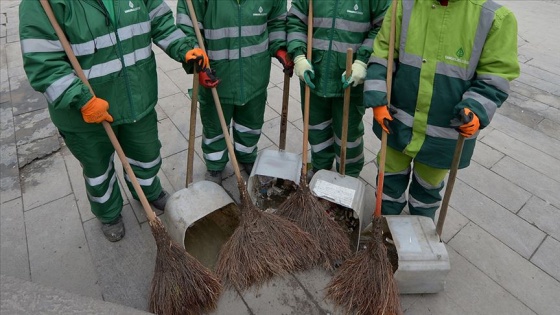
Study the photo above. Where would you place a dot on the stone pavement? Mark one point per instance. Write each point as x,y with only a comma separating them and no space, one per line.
502,231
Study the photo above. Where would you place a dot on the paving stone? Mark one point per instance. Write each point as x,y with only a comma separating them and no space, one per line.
172,140
9,181
177,108
523,116
486,155
314,282
36,181
271,129
166,87
543,215
37,149
23,297
468,290
14,259
58,251
13,50
544,163
125,268
33,126
181,79
495,187
530,285
24,98
166,63
454,222
277,73
231,303
529,179
535,94
495,219
547,257
75,174
281,296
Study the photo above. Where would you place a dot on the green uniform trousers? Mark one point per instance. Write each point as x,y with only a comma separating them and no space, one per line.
325,132
248,120
424,191
96,154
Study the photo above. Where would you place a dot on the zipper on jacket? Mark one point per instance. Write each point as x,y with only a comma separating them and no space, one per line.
329,52
239,49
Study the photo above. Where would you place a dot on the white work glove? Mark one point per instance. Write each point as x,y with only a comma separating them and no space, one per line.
358,75
304,70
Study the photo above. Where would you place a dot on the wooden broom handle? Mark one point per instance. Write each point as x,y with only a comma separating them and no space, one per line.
307,95
383,150
345,112
78,69
216,99
192,130
284,114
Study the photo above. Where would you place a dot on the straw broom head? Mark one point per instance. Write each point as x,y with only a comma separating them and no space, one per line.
181,284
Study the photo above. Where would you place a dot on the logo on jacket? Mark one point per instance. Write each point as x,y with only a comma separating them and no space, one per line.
460,53
355,11
260,13
132,8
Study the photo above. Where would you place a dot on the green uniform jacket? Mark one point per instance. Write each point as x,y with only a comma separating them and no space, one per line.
337,25
116,57
449,57
240,38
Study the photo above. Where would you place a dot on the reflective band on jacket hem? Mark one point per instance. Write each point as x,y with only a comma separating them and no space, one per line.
229,54
115,65
233,32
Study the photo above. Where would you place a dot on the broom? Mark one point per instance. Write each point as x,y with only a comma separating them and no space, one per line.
374,291
302,207
264,244
181,284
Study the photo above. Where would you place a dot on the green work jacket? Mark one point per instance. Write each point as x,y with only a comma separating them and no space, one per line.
462,55
116,57
240,38
337,25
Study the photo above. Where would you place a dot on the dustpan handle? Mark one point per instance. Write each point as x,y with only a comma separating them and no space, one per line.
192,130
78,69
307,96
450,184
383,150
345,112
219,110
284,114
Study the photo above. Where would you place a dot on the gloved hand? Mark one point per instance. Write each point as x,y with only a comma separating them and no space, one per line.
199,57
383,114
304,70
285,60
358,75
207,78
96,111
470,125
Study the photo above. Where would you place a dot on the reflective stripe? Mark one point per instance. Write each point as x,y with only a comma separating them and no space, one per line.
212,140
233,32
107,194
145,165
143,182
349,145
377,21
115,65
483,28
401,199
381,61
495,81
321,146
164,43
407,11
280,35
452,71
241,148
58,87
321,126
411,60
488,105
280,17
298,14
229,54
244,129
334,45
425,184
94,181
216,156
406,171
368,43
352,160
297,36
342,24
40,45
375,85
160,10
184,19
418,204
432,131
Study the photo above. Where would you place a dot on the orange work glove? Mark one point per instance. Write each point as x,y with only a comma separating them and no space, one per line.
208,79
96,111
470,125
384,114
199,57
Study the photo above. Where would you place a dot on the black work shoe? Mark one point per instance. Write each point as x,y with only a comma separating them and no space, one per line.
214,176
160,202
113,231
248,167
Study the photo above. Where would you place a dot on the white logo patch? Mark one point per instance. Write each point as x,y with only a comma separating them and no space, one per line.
260,13
132,8
355,11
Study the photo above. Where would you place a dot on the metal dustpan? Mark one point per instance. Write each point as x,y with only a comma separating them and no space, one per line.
276,172
423,261
201,216
336,187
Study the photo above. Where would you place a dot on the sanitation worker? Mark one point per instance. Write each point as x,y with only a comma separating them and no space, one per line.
113,43
337,25
240,37
453,60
